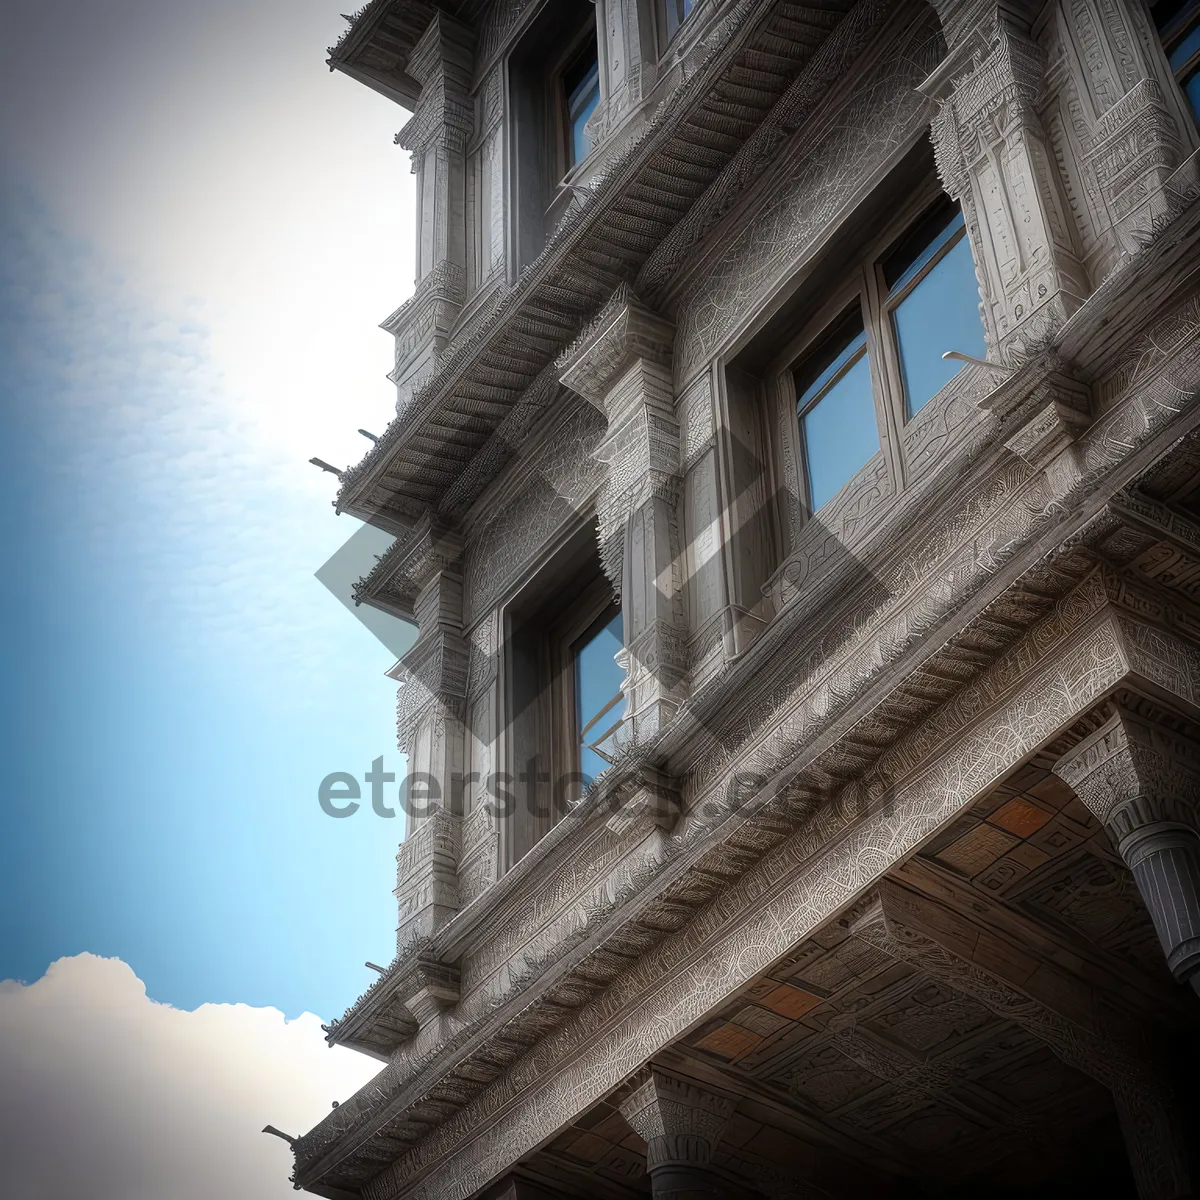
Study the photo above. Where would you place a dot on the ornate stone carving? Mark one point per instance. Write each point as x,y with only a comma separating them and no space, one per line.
622,365
1141,777
993,158
1147,1109
680,1122
437,136
647,799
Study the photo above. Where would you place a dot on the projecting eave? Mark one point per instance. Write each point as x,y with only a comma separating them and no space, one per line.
640,218
375,47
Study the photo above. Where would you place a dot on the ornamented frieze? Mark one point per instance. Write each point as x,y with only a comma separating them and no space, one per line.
809,195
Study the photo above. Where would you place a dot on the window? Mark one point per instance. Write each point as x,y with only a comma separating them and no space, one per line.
836,409
1178,24
554,88
675,12
581,94
598,698
868,354
933,302
564,703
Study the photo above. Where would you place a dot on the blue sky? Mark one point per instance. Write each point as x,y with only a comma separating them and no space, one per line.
201,228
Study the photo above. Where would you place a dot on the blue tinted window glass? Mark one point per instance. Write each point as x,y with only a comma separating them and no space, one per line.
840,433
677,12
599,701
941,313
581,103
1184,51
1191,89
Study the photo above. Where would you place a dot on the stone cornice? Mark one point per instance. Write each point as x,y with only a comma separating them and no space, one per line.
539,299
396,580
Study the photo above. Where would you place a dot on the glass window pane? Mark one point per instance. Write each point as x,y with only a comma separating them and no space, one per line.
581,81
941,313
599,701
1186,49
581,144
921,243
677,12
837,415
1191,89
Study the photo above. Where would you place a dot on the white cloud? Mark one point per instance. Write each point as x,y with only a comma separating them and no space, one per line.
106,1094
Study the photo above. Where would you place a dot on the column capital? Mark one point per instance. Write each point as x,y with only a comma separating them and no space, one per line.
1140,774
623,332
680,1122
1136,769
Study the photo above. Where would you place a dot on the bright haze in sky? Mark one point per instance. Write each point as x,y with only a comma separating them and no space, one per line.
202,228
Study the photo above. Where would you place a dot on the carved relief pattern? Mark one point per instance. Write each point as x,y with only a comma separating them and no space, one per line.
821,186
1135,1083
992,156
674,983
564,476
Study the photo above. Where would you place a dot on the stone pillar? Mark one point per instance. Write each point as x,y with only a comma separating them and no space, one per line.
437,136
622,366
1120,122
1140,776
682,1125
993,158
627,53
427,584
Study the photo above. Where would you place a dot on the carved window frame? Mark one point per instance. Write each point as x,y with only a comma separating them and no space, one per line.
558,104
863,283
563,598
1175,33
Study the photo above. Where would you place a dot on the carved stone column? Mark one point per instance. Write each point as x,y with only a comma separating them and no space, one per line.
1141,778
437,136
993,158
426,585
682,1125
622,366
628,52
1121,113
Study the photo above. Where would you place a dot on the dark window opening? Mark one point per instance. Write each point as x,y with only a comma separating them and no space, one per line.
564,704
581,94
554,88
1178,23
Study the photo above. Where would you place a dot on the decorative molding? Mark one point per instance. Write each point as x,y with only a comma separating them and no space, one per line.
1140,774
680,1122
994,159
1147,1109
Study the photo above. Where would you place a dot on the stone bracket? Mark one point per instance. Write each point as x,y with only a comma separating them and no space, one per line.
681,1122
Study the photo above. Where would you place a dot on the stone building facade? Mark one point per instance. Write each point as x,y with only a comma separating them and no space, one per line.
890,881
